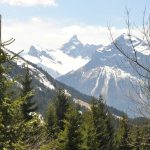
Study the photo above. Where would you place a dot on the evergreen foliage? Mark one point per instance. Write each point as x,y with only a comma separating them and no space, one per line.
29,105
51,121
124,135
71,138
100,134
65,127
137,139
62,104
10,114
15,132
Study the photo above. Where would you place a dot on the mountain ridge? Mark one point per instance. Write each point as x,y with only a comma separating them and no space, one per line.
46,86
61,61
108,73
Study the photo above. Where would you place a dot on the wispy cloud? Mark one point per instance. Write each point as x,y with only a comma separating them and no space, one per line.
50,34
29,2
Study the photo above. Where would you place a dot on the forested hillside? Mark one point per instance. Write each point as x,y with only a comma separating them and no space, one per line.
66,125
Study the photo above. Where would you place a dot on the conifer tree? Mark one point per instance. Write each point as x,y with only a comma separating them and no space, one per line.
10,115
15,133
71,138
5,114
86,124
109,132
51,121
137,139
100,134
124,135
62,104
29,105
145,136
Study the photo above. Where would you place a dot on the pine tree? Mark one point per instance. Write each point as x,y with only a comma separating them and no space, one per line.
86,124
137,139
29,105
5,116
100,134
124,135
71,138
51,122
14,132
10,115
145,135
62,104
109,132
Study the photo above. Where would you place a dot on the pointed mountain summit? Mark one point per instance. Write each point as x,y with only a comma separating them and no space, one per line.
124,40
108,73
71,46
33,51
55,62
74,40
75,48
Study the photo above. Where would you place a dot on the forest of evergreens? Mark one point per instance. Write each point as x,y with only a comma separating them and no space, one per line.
65,125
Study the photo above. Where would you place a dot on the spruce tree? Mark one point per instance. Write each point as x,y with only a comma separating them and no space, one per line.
5,101
137,139
100,133
145,135
86,124
71,138
15,133
62,104
10,115
29,105
109,132
51,121
123,134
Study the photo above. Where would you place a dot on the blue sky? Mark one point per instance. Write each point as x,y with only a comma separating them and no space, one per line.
49,23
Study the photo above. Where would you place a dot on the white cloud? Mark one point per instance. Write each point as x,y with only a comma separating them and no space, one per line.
51,35
29,2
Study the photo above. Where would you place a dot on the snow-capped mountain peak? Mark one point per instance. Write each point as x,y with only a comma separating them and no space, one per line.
125,39
72,47
55,62
34,51
109,73
74,40
70,57
75,48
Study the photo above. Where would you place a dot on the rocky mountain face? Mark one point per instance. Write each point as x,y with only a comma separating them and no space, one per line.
95,69
109,74
45,86
75,48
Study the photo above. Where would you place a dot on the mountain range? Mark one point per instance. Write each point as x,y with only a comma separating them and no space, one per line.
45,86
71,56
94,69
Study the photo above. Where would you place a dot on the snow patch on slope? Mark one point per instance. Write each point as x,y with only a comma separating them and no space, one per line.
59,64
40,76
96,85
